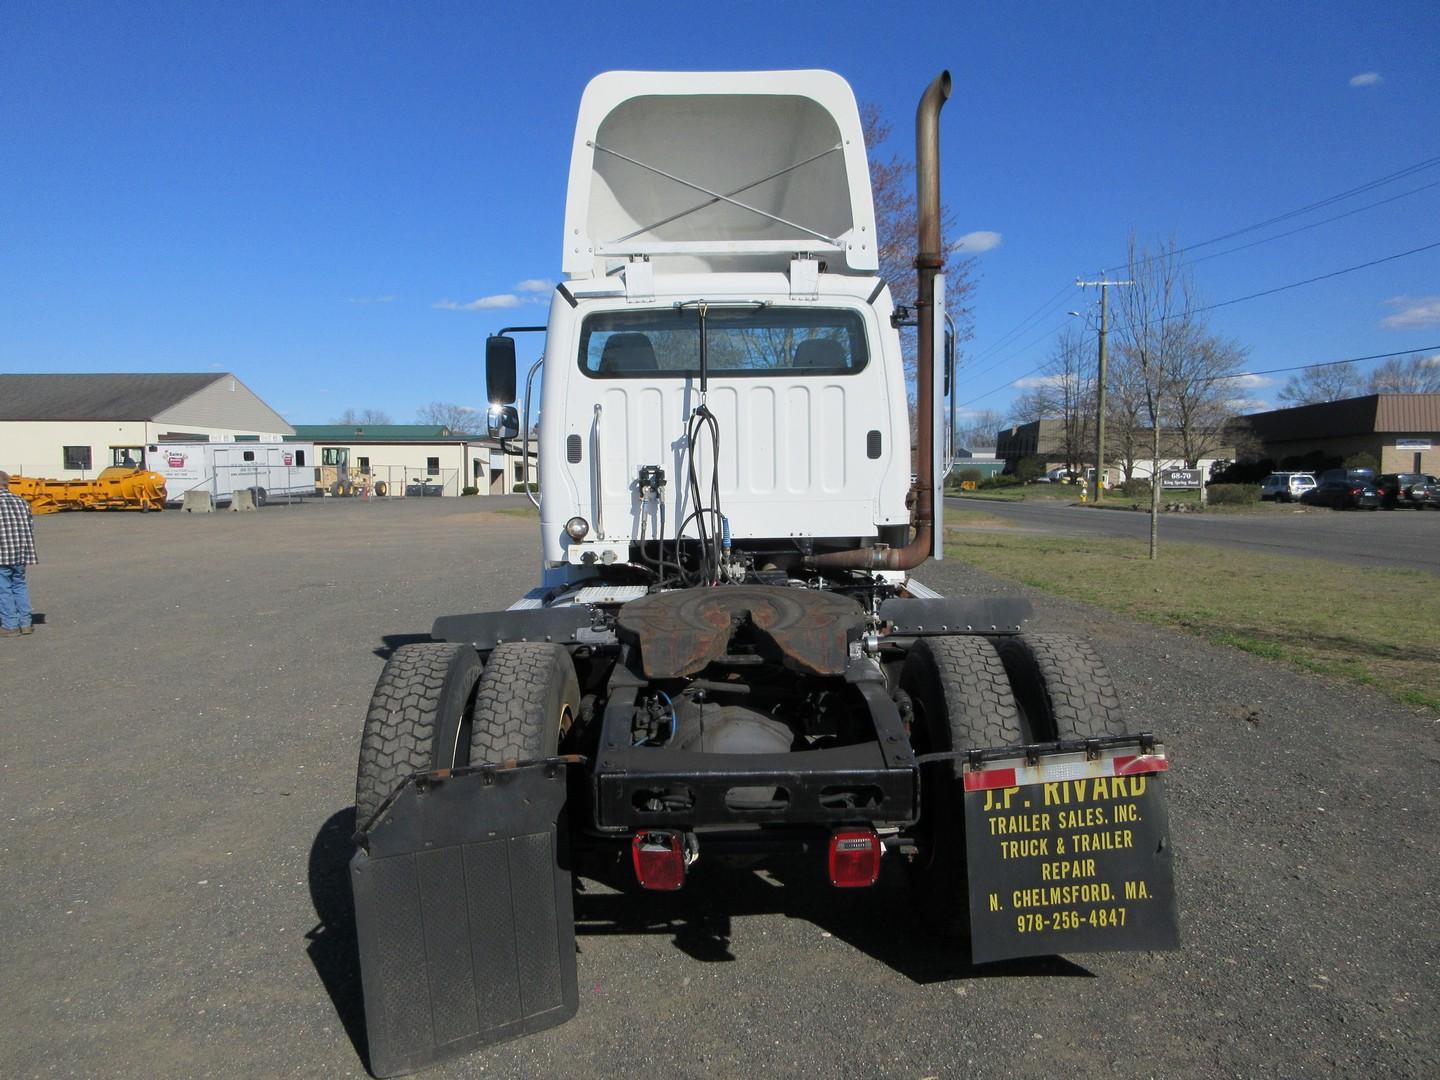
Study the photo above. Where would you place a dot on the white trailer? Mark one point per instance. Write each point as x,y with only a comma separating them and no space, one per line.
271,470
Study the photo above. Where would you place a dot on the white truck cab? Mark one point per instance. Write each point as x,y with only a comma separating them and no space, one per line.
738,202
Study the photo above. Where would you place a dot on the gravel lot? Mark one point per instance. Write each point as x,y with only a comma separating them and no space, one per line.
178,746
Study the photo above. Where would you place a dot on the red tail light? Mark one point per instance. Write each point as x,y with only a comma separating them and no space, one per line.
854,858
659,858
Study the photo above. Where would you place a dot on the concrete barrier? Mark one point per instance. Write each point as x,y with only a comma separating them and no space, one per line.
243,500
198,502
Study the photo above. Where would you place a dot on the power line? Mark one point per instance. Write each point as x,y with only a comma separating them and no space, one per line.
1328,363
1312,225
1312,280
1409,170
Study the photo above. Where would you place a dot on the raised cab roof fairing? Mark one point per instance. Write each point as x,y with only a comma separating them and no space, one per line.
718,171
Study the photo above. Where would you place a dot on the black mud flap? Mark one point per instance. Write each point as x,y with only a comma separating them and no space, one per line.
464,915
1068,849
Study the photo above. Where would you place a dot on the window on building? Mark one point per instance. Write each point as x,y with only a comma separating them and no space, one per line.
299,457
432,465
247,438
77,457
364,465
519,473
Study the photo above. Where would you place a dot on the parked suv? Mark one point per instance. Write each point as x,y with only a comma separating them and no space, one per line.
1416,490
1286,486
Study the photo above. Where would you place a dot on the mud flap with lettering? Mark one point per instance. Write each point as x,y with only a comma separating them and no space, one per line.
464,915
1068,849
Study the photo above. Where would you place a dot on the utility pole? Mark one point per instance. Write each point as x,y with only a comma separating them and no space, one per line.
1104,285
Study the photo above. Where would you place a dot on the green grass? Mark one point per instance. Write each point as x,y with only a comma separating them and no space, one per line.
1378,628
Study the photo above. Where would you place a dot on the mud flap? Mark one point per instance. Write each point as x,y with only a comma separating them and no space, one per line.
464,915
1068,849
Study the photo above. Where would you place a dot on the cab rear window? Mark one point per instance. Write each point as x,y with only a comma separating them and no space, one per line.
739,342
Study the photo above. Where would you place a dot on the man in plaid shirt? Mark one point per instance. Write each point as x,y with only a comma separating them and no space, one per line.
17,551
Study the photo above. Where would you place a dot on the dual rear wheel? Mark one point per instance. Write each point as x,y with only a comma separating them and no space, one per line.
971,692
437,707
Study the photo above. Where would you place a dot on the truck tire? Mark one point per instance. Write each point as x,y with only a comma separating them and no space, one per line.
528,698
419,720
382,488
260,497
961,700
1063,689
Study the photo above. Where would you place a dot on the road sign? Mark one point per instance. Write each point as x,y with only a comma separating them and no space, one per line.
1180,478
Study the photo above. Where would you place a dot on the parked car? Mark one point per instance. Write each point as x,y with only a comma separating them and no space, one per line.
1344,489
1286,486
1416,490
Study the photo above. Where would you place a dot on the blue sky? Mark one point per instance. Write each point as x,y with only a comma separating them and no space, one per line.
293,192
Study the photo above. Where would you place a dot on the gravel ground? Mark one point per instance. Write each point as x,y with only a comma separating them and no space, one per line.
178,746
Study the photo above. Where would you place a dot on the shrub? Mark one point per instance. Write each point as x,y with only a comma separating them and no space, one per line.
1029,468
974,476
1135,489
1362,460
470,491
1000,480
1232,494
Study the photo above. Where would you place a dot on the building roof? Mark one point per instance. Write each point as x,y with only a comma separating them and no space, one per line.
381,433
133,396
1368,415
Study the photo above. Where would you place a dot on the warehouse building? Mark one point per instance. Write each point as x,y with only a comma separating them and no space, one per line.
1400,432
70,427
1046,440
420,459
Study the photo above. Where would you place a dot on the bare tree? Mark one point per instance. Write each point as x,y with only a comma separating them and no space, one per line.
1326,382
458,418
1073,379
1035,402
980,429
892,184
1200,402
1125,434
1155,316
1418,375
362,416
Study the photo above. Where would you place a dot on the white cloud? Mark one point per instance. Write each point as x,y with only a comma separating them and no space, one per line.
1248,405
529,291
1431,361
975,242
1366,78
1412,312
484,303
1032,381
1251,381
372,299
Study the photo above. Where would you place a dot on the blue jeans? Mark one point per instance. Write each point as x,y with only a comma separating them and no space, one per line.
14,598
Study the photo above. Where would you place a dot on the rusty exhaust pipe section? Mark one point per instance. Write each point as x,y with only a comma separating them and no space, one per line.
928,262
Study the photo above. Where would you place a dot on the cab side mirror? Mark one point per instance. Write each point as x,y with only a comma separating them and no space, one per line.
504,422
500,369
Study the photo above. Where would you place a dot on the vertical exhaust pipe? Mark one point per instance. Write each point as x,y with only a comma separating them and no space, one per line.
929,261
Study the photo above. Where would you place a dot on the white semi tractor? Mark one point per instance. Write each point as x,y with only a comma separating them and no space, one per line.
727,656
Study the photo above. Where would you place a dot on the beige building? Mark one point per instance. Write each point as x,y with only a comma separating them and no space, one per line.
70,427
1399,431
419,459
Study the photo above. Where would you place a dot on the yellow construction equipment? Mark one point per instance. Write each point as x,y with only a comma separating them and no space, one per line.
116,488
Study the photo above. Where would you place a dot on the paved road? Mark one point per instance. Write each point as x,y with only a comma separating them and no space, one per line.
177,747
1399,538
